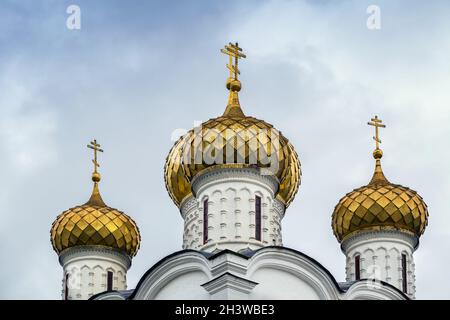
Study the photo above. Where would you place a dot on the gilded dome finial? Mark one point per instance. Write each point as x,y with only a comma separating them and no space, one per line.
378,175
377,123
95,198
233,84
96,147
379,205
237,141
94,223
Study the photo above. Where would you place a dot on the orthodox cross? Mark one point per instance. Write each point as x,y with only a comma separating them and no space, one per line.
233,51
377,123
96,147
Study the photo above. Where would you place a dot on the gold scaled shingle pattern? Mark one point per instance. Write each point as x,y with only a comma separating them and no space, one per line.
94,223
246,136
378,206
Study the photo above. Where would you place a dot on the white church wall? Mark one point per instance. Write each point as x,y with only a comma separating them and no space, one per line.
271,273
184,272
381,257
184,287
273,266
87,267
231,196
278,284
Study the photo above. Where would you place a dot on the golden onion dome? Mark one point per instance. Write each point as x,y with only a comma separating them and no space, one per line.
95,224
232,140
380,205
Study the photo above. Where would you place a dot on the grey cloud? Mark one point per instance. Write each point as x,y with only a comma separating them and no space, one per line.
314,71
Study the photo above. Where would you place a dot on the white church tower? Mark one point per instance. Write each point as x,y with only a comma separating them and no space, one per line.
232,177
95,244
378,226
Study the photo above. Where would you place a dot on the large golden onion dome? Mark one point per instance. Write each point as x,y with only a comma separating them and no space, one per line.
232,140
95,224
380,205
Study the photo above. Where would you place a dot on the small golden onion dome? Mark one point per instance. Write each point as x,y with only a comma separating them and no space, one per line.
95,224
380,205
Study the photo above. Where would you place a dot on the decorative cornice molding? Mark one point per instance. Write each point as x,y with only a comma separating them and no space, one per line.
229,243
98,252
367,289
187,205
107,295
228,261
229,281
373,235
230,174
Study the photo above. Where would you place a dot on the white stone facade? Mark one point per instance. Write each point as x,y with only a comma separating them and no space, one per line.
233,264
380,254
230,194
270,273
86,269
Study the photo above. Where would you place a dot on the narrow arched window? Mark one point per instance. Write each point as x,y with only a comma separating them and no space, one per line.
404,274
109,282
357,267
205,221
258,218
66,287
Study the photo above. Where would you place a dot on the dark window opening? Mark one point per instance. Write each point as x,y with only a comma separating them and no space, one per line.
404,274
66,287
258,218
110,281
205,221
357,268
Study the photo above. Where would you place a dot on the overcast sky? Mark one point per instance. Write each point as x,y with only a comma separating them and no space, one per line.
138,70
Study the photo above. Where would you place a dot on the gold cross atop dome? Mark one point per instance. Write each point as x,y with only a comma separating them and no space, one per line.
233,84
380,205
96,147
233,51
94,223
378,175
96,198
377,123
